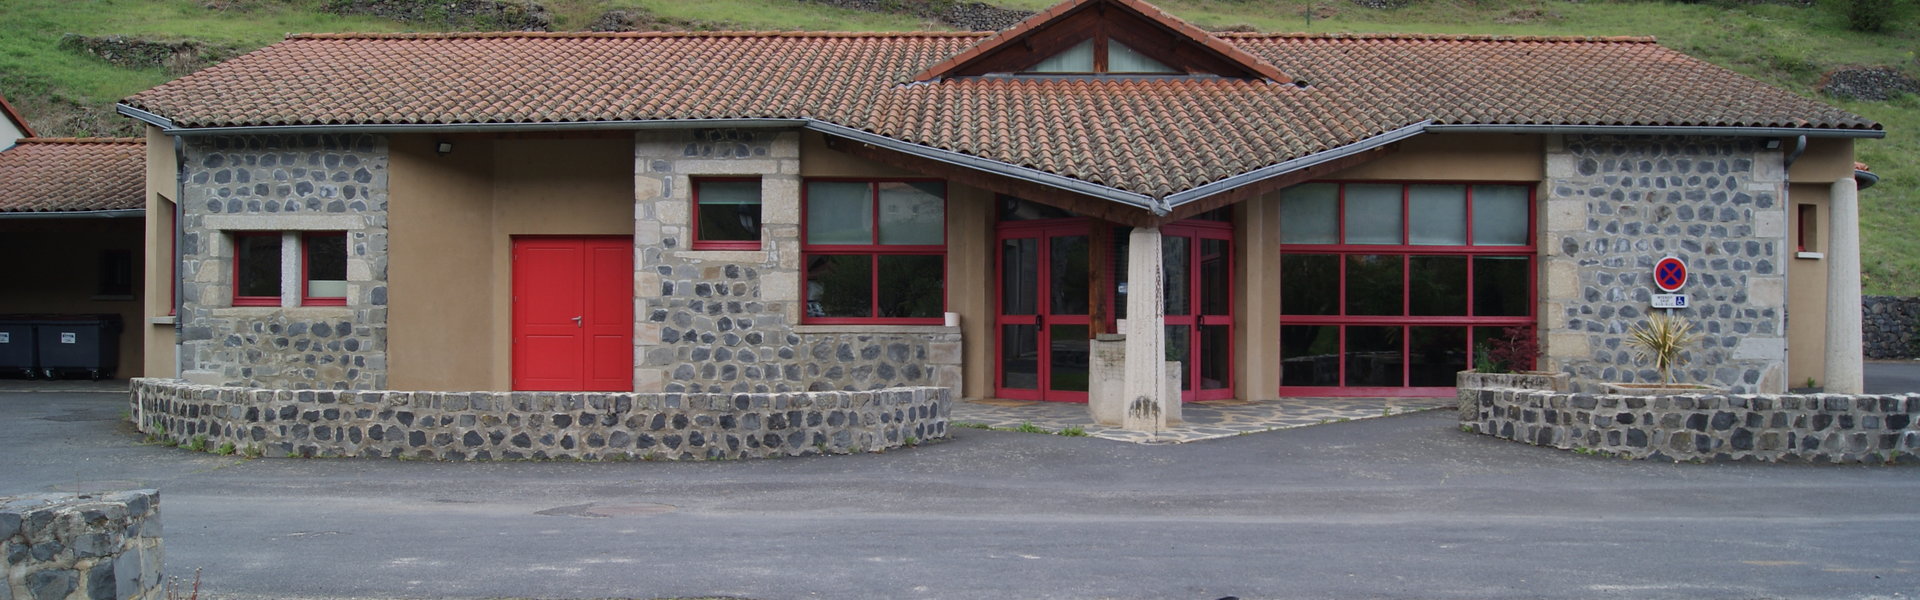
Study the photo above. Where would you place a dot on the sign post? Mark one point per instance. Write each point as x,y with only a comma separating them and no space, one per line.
1670,274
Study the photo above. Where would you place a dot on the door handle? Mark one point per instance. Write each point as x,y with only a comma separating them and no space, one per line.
576,321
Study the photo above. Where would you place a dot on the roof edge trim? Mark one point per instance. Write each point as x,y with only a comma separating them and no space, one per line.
1283,168
145,117
992,166
118,213
1663,130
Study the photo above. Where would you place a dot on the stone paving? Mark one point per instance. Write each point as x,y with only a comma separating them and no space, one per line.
1204,420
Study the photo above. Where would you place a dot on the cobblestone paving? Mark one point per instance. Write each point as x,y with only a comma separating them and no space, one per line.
1204,420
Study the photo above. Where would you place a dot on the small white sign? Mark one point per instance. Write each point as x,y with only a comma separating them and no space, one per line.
6,337
67,337
1669,300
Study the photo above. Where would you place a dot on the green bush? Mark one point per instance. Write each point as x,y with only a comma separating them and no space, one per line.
1870,16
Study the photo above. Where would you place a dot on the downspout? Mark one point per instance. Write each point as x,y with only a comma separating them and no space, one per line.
1799,148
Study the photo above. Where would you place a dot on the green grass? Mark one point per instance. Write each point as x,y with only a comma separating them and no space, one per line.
67,94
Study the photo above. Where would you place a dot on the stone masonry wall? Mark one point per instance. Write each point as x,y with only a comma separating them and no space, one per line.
538,425
1890,326
288,183
81,546
1614,205
728,320
1811,428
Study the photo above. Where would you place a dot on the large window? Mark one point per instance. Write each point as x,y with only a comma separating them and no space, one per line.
875,251
1394,285
258,278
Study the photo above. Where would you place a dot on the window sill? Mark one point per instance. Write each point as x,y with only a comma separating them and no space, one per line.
725,255
1809,255
166,320
857,328
261,311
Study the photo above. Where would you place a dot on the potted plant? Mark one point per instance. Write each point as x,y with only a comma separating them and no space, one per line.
1508,361
1662,341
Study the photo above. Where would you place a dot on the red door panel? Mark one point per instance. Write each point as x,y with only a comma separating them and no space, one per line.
572,314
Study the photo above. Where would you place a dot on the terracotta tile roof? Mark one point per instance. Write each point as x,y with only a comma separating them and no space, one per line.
1152,13
45,175
6,110
1149,135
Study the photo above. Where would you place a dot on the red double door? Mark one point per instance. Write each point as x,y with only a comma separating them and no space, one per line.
573,314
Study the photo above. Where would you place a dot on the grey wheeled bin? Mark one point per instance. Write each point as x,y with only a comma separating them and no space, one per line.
16,346
78,344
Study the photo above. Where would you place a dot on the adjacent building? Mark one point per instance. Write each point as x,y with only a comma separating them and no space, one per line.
1283,214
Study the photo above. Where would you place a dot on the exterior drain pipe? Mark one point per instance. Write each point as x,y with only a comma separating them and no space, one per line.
1799,148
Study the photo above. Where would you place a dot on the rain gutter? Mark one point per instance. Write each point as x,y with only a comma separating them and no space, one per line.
118,213
1283,168
1662,130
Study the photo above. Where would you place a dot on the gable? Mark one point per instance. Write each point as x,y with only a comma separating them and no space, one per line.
1114,36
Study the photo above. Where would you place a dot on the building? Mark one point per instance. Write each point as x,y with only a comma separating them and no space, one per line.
1328,214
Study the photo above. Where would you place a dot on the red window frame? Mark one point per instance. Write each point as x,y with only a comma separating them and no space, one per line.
1804,214
306,259
239,300
693,223
1406,321
874,249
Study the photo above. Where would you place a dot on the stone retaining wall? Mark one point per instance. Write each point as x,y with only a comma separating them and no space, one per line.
1773,428
81,546
1889,326
537,425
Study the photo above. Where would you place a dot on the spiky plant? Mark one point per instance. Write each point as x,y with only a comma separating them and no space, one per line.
1662,341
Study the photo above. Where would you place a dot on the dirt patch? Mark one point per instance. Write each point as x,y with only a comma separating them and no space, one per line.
640,19
1867,83
482,15
178,57
972,16
60,117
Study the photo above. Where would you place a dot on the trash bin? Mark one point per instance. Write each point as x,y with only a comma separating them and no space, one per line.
78,343
16,346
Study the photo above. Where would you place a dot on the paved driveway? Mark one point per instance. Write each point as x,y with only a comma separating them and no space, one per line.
1403,506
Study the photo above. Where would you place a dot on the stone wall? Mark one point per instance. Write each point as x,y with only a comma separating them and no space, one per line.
288,183
1773,428
1614,205
1890,326
81,546
538,425
727,321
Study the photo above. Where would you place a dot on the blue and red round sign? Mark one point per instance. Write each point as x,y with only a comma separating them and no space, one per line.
1670,274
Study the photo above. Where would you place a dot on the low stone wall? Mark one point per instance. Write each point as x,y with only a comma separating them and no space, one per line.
1889,326
1773,428
81,546
536,425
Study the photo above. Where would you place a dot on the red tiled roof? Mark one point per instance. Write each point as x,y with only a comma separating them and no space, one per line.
47,175
1042,19
1148,135
6,110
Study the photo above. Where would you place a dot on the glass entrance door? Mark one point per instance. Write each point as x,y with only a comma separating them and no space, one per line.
1197,263
1044,319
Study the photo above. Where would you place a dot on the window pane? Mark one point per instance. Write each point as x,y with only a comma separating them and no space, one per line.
1309,284
1373,214
326,265
1019,276
911,285
1309,355
1439,285
729,210
1216,291
1373,356
1176,257
1078,59
1020,356
1067,284
1068,357
1500,286
1310,214
1374,285
1121,59
1439,214
840,285
1436,355
258,272
839,212
913,213
1216,352
1180,349
1500,215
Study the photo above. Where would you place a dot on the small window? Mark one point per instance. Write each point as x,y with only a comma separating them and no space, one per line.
726,214
116,274
1807,236
1101,55
325,261
256,268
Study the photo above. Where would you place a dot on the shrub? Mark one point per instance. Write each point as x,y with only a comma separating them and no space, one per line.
1517,349
1870,16
1662,341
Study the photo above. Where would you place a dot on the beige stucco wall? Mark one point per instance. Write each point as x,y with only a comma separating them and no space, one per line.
1458,157
155,327
66,282
1807,289
1826,160
452,219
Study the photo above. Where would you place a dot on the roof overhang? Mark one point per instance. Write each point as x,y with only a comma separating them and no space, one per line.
119,213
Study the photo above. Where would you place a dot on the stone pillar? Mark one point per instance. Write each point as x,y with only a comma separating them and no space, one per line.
1844,374
1106,388
1146,377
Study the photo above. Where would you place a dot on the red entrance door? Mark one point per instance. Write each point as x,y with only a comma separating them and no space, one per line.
573,314
1044,322
1199,306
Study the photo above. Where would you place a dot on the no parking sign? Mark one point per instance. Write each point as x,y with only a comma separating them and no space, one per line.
1670,274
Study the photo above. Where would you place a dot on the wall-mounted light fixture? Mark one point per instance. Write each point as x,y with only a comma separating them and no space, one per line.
443,148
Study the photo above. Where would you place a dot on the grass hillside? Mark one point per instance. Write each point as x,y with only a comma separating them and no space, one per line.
64,91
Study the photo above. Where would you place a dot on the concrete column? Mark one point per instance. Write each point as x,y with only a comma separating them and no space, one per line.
291,275
1844,353
1146,379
